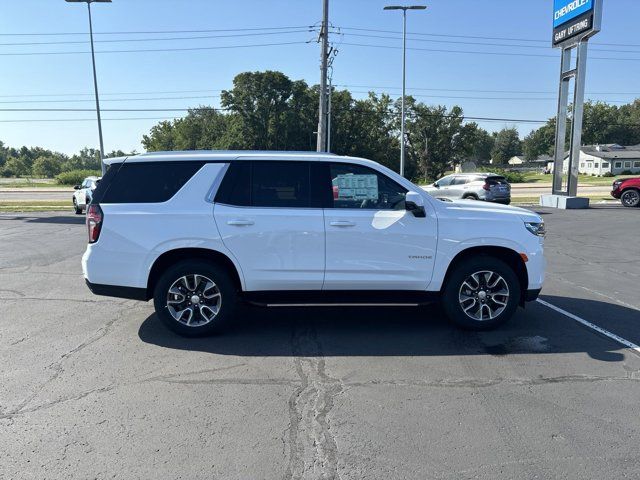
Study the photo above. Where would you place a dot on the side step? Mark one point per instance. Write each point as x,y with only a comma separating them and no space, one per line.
340,298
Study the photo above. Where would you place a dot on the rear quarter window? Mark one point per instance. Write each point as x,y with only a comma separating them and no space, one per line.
144,182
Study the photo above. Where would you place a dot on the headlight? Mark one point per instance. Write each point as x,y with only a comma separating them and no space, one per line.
537,228
617,183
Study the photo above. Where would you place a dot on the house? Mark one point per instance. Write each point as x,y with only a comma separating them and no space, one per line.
612,158
537,163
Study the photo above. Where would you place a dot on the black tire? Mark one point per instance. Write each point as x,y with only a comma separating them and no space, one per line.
470,197
630,198
453,293
76,208
224,285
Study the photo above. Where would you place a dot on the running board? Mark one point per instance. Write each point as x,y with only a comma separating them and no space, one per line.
340,298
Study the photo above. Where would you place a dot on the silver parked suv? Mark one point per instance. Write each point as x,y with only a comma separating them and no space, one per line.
472,186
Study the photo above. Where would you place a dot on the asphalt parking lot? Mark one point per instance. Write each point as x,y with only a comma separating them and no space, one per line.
95,388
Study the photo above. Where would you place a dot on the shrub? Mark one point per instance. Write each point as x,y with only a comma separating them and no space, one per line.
512,177
608,174
75,177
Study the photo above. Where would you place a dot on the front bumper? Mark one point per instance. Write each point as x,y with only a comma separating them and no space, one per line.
532,295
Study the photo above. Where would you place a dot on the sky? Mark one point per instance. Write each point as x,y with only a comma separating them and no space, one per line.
491,57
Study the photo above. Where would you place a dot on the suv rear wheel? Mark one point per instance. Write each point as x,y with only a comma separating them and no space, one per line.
481,293
630,198
76,208
195,298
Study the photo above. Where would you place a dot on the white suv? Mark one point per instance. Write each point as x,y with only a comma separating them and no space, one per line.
271,228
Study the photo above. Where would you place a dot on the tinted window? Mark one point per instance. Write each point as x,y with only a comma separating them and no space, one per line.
235,188
496,181
267,184
145,182
356,186
280,184
459,180
445,181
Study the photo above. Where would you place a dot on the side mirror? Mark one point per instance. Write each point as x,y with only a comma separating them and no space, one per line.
77,187
435,184
414,203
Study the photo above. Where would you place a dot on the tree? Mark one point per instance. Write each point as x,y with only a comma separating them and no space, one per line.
540,142
16,167
483,143
46,167
507,145
438,139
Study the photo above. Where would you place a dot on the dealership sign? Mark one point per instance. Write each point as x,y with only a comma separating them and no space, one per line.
574,20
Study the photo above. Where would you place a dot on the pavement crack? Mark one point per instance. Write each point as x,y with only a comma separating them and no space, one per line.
313,452
491,382
58,368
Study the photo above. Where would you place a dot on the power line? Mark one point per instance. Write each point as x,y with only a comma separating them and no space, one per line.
220,47
457,42
479,37
475,52
154,32
108,100
76,42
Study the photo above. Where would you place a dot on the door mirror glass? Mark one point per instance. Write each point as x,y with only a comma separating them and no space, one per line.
77,187
414,203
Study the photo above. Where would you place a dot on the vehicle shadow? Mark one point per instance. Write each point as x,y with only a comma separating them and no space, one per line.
56,219
389,331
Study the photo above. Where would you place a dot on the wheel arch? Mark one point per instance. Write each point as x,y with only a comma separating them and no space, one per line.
171,257
507,255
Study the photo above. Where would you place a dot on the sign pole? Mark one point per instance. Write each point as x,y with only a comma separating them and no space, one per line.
578,112
574,22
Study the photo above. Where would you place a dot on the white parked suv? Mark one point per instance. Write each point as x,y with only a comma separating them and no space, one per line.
83,194
210,229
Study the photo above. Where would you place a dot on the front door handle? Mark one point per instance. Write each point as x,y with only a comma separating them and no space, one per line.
240,222
342,223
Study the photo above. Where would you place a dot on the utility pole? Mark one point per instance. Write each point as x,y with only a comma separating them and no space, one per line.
329,93
324,54
95,76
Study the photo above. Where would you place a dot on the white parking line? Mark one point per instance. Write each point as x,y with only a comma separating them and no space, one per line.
598,329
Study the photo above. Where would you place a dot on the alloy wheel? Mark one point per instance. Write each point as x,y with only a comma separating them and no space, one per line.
631,198
194,300
483,295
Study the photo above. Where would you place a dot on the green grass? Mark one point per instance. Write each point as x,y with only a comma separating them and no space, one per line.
34,206
535,200
29,185
582,179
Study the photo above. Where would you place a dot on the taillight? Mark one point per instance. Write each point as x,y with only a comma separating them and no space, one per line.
94,222
486,186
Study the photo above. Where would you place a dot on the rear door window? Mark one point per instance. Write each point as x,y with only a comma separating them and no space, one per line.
459,180
274,184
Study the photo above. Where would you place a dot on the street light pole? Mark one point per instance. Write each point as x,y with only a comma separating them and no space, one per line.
404,74
95,76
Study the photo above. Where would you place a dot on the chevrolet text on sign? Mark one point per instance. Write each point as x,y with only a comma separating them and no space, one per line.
566,10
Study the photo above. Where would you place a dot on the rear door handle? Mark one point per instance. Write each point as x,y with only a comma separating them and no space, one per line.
240,222
342,223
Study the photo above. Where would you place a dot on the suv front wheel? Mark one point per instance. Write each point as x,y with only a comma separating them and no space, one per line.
481,293
630,198
194,298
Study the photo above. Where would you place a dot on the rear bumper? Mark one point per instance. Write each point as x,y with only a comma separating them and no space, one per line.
132,293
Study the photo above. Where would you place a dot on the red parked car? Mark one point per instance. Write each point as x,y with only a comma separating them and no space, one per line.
628,191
